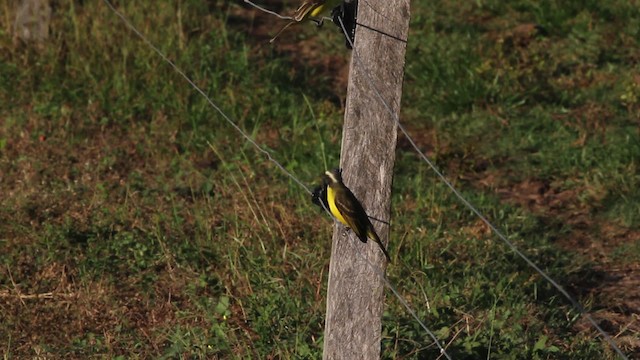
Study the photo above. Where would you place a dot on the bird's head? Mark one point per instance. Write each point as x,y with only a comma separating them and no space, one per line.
333,177
319,195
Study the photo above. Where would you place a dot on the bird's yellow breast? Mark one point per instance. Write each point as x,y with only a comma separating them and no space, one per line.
324,7
331,199
318,10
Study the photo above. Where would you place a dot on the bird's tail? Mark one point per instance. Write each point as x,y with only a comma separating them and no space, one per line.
372,234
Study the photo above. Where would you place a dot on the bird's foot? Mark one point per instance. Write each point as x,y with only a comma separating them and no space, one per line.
319,22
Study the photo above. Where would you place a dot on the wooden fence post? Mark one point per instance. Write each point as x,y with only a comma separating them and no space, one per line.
355,295
32,21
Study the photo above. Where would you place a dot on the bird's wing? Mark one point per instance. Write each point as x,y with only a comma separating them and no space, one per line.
305,8
281,30
354,214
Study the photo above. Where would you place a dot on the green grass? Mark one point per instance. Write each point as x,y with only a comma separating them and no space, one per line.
151,229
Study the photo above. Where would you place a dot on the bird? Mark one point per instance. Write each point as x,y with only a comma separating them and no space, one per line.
336,197
310,10
346,15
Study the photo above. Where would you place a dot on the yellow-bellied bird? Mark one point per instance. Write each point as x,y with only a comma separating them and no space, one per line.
337,198
310,10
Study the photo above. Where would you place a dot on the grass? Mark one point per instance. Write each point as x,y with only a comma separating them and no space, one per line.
136,223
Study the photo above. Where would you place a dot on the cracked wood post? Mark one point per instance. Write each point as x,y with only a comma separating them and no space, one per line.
355,295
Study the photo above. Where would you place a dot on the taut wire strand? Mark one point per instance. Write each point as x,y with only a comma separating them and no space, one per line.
198,89
470,206
265,152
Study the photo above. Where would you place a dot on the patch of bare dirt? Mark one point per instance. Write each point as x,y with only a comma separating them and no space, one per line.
589,120
61,310
425,138
613,286
51,175
617,307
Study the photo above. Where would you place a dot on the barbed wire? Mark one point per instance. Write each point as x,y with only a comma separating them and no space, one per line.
270,157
